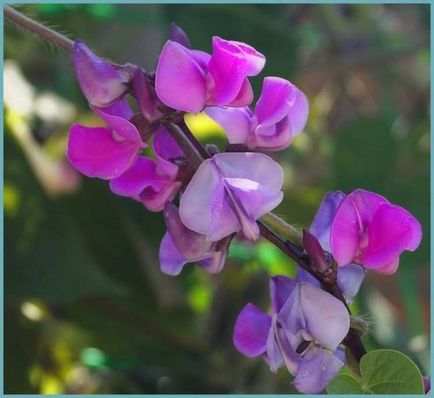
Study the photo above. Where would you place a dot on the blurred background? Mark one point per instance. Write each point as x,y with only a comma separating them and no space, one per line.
87,309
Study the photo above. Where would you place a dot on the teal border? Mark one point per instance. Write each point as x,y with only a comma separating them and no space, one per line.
211,2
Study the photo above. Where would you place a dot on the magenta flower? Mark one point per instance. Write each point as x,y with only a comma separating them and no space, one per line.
350,277
152,182
101,82
181,245
105,152
229,192
280,114
303,332
188,80
371,231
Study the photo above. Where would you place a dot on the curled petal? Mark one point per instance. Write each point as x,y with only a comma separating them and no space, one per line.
245,95
166,151
391,231
234,121
231,62
178,35
145,96
171,260
179,80
97,152
280,289
317,368
215,261
349,280
100,81
251,331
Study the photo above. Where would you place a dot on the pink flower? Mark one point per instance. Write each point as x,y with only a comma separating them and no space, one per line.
280,114
188,80
369,230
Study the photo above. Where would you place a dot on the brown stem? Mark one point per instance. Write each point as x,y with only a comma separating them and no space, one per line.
39,29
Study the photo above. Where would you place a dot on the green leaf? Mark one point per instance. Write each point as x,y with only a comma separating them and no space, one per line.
345,384
382,372
390,372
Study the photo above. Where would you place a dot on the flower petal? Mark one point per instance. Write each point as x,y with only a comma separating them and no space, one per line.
280,289
145,96
234,121
391,231
317,368
100,82
178,35
95,152
251,331
166,151
349,280
179,80
351,220
171,260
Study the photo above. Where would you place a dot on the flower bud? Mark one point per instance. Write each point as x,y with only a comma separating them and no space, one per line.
178,35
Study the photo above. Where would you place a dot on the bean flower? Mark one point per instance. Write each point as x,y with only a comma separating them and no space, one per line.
370,230
189,80
280,114
303,333
150,182
229,192
106,152
181,246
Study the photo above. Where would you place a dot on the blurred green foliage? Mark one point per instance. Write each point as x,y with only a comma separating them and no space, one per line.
87,309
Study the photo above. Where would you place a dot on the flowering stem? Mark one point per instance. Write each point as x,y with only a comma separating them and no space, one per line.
287,238
44,32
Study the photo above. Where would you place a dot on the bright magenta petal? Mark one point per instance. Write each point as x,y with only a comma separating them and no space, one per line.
179,80
96,152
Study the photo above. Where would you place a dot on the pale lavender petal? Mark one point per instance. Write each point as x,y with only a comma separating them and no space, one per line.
351,220
155,197
97,152
234,121
321,315
100,82
391,231
178,35
215,262
179,80
304,276
349,280
317,368
299,112
272,138
171,260
251,331
272,356
192,245
324,216
145,96
280,289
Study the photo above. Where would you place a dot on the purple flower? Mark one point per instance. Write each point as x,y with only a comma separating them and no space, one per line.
229,192
105,152
101,82
181,245
303,332
280,114
152,182
350,277
371,231
145,96
188,80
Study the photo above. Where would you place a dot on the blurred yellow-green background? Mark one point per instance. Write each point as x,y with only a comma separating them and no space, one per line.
87,309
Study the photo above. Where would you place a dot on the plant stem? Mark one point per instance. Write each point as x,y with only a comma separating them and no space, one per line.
287,238
44,32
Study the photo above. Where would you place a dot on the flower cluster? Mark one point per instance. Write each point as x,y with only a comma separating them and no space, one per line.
225,196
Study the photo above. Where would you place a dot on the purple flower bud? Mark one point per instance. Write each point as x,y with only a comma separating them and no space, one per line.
145,96
315,252
178,35
188,80
303,332
101,82
369,230
280,114
229,192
